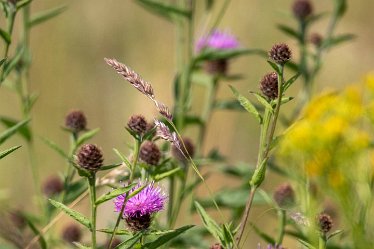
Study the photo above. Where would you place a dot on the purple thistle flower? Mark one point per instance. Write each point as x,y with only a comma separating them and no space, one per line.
217,40
148,201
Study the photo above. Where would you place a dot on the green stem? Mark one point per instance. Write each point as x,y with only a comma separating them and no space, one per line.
10,25
91,183
322,242
282,225
181,195
263,154
171,199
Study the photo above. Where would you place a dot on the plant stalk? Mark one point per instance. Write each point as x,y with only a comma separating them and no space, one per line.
92,183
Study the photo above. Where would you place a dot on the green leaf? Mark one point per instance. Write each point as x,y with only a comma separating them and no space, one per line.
165,238
2,61
128,244
228,105
285,100
86,136
161,176
169,12
263,101
193,120
313,18
74,214
263,235
333,234
46,15
55,147
306,244
80,246
274,66
289,31
248,106
259,174
12,130
340,7
337,40
208,222
111,166
8,151
114,194
12,63
290,82
123,158
118,232
6,37
22,3
214,54
75,189
42,241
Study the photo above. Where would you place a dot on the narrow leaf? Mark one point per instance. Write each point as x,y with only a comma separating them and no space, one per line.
337,40
42,241
289,31
114,193
164,10
12,63
123,158
165,238
208,222
161,176
55,147
306,244
9,132
111,166
74,214
263,235
80,246
86,136
118,232
247,104
8,151
228,105
263,101
130,242
290,82
46,15
274,66
22,3
2,61
24,131
333,234
6,37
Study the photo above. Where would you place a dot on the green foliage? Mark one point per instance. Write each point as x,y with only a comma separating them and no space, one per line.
248,106
114,194
14,128
8,151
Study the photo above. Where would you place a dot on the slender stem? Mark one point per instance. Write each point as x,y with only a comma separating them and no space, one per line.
181,195
263,154
171,199
91,183
282,225
10,25
322,242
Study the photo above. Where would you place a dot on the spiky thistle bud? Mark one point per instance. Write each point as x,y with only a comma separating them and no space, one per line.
53,186
150,153
90,157
188,150
76,121
324,222
302,9
138,124
316,39
216,246
269,85
71,233
284,195
280,53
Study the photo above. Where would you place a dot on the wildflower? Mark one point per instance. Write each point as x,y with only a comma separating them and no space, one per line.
138,124
269,85
150,153
139,209
284,195
217,40
216,246
71,233
76,121
324,222
52,186
280,53
302,9
90,157
187,147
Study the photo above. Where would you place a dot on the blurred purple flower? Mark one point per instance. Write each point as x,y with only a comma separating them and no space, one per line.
217,40
270,247
148,201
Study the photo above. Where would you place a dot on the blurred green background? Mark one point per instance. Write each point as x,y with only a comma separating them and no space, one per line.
69,72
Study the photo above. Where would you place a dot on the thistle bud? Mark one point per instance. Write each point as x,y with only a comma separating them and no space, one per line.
280,53
53,186
139,223
324,222
269,85
188,150
316,39
138,124
150,153
284,195
76,121
216,246
302,9
71,233
90,157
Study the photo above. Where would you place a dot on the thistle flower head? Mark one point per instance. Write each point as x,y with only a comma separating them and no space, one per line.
218,40
76,121
138,124
139,209
71,233
269,85
52,186
302,9
90,157
284,195
280,53
216,246
316,39
150,153
324,222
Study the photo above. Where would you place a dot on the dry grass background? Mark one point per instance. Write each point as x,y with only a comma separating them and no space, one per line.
69,73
